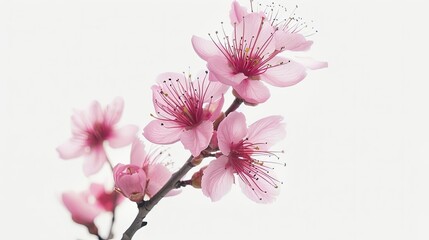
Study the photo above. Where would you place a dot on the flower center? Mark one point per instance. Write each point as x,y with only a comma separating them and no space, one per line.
182,102
250,169
247,53
98,134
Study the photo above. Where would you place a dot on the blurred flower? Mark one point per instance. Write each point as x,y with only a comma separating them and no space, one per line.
185,111
250,54
143,176
240,146
90,129
87,205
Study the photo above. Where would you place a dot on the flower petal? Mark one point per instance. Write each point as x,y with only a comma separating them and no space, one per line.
215,90
217,179
162,132
80,123
237,12
158,175
253,91
291,41
266,131
253,28
197,138
220,68
82,212
95,113
231,130
285,72
311,63
138,154
73,148
215,109
204,48
260,191
123,136
94,161
113,111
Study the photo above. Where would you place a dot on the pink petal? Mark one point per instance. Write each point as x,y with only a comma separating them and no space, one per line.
217,178
263,192
253,91
132,183
220,68
197,138
286,74
237,12
157,100
311,63
252,29
204,48
266,131
215,109
162,132
167,78
113,111
123,136
80,123
291,41
82,212
73,148
215,90
95,113
96,189
158,175
138,154
94,161
231,130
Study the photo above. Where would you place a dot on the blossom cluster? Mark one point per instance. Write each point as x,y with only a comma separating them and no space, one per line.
190,109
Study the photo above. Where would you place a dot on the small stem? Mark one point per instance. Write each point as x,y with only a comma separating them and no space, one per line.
237,102
115,200
183,183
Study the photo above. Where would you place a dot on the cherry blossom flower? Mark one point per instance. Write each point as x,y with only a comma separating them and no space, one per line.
185,110
143,176
87,205
90,129
240,147
249,56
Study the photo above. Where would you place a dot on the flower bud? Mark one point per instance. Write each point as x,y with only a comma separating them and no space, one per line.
130,180
197,160
196,178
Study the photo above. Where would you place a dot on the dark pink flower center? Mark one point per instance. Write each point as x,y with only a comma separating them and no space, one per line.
247,56
183,102
250,169
97,134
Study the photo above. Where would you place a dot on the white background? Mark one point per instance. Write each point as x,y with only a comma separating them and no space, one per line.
357,147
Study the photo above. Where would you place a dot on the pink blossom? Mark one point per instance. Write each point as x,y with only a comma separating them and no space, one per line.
131,181
185,110
240,145
249,56
90,129
106,200
143,176
87,205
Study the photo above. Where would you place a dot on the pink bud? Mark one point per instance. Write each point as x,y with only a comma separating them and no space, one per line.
130,180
